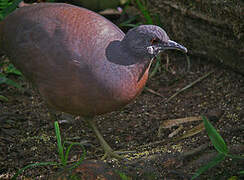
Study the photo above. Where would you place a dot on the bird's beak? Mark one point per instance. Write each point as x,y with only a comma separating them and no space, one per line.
173,45
156,49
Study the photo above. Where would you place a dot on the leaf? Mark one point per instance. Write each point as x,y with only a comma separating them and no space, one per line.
241,172
123,176
4,4
10,69
3,98
5,80
215,137
10,8
220,157
233,178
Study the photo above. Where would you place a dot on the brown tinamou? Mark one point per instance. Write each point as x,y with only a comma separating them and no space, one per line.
80,62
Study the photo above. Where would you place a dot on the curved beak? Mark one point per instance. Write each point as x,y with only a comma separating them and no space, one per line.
173,45
156,49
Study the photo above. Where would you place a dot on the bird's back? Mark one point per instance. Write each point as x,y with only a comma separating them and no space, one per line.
49,27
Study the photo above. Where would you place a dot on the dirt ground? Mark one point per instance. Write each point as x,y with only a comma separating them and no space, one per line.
27,134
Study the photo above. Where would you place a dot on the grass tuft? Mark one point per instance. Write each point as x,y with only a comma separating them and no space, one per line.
62,155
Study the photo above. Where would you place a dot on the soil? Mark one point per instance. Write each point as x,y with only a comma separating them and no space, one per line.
27,134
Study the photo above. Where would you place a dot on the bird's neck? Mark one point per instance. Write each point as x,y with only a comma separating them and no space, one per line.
139,64
143,69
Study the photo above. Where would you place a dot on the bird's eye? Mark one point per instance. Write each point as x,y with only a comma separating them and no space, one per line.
154,41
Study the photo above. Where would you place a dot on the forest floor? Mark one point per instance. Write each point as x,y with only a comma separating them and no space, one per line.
27,134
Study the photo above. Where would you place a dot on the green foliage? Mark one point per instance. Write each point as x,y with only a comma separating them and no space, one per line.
10,69
8,6
62,155
123,176
220,157
129,22
144,11
3,98
5,80
6,70
219,144
3,5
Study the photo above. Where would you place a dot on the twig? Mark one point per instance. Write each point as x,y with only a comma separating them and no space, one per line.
174,122
175,131
153,92
197,129
189,85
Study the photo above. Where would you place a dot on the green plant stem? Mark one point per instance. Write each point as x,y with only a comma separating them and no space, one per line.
60,147
33,165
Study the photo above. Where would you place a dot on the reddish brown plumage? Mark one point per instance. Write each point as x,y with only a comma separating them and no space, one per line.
61,49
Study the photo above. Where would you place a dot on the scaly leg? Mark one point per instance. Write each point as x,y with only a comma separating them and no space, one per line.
108,150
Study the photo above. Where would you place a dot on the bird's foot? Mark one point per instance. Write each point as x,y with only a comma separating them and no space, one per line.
109,152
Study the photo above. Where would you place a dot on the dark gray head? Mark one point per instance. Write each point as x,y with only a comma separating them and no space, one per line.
149,41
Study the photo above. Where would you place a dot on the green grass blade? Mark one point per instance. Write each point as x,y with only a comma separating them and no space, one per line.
60,147
31,166
215,137
68,150
3,98
188,63
144,12
129,22
220,157
130,25
81,158
235,156
158,20
241,172
156,67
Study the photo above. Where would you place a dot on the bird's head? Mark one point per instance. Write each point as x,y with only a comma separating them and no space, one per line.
149,41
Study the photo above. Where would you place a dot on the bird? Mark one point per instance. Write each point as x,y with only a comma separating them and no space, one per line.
80,62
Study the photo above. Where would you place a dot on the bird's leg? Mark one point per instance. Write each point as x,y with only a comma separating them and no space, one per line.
108,150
